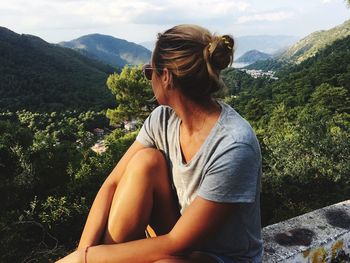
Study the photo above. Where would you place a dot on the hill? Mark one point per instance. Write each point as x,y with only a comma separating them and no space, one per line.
302,121
253,56
329,66
113,51
311,44
264,43
296,83
39,76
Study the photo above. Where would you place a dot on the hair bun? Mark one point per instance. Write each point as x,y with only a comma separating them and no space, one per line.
221,51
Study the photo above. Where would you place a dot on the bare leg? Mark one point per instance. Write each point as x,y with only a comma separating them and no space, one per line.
195,257
143,193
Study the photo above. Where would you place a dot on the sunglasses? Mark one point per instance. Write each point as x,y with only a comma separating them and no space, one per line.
147,70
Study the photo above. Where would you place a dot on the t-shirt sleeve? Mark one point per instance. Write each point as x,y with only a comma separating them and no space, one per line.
233,177
147,135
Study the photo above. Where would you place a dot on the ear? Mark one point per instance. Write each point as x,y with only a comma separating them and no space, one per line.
167,78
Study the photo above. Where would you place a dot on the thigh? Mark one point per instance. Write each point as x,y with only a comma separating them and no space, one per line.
150,165
143,196
165,211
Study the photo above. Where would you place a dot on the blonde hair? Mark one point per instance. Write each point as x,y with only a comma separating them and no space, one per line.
194,57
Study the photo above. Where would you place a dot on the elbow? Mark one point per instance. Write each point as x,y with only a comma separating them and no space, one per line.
177,246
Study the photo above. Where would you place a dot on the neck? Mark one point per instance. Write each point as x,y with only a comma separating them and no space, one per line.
196,117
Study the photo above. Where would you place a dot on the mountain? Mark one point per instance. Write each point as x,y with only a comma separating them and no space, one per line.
322,79
329,65
253,56
310,45
113,51
263,43
39,76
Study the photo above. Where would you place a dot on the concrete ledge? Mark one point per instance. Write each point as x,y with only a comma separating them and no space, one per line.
319,236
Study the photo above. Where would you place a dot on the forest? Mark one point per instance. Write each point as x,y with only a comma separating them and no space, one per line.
50,175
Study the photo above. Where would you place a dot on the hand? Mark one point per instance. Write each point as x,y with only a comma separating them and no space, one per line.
75,257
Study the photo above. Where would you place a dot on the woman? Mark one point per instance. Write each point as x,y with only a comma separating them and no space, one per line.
194,146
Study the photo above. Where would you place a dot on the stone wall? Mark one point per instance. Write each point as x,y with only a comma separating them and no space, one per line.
319,236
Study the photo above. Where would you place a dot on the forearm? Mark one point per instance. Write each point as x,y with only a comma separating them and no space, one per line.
98,216
139,251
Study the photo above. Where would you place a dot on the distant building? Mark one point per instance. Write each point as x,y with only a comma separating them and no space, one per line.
258,73
99,147
130,125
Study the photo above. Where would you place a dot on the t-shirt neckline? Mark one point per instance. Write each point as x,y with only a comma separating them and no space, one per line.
204,144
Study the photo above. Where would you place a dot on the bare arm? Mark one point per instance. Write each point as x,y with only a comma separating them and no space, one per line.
201,219
98,215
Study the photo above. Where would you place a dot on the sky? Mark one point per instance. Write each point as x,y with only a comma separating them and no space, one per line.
141,20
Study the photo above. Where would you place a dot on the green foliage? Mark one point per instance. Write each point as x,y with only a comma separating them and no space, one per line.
42,229
118,143
49,176
132,92
295,84
38,152
39,76
58,214
302,121
46,157
16,171
308,152
29,241
333,98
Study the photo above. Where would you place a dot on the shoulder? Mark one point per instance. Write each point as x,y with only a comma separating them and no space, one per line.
154,128
236,130
161,118
162,111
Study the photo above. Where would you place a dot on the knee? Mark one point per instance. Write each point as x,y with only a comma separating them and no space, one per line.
148,159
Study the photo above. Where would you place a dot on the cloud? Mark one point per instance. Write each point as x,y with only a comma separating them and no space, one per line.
195,11
107,12
266,17
160,12
136,19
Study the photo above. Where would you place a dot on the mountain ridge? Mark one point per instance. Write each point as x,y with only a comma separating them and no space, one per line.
113,51
264,43
305,48
314,42
253,56
40,76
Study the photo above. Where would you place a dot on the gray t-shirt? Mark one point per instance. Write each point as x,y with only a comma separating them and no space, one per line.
226,169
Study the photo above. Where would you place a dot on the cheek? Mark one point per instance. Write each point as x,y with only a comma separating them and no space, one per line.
155,90
159,95
154,87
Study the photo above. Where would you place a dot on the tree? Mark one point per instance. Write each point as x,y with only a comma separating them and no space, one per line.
132,93
307,155
333,98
